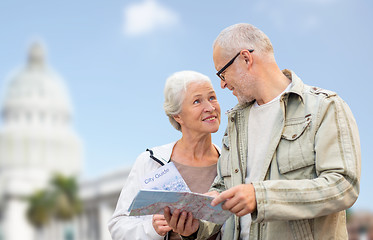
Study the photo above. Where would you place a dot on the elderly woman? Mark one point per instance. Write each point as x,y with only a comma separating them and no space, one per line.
192,108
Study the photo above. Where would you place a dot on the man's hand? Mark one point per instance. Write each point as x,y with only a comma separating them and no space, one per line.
239,199
160,225
183,223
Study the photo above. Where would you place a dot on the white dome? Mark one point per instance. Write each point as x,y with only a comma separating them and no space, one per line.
37,134
37,88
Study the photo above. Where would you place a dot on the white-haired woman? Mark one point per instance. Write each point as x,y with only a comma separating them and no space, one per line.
192,108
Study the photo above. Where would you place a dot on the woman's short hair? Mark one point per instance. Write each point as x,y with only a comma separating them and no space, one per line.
174,92
244,36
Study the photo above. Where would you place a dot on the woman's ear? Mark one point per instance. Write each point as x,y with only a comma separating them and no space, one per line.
177,118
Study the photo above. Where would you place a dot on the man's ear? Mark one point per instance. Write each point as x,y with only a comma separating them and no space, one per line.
247,57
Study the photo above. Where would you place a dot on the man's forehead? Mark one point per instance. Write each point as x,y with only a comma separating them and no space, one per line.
216,51
217,56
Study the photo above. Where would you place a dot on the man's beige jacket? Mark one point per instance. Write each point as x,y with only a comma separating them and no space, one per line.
311,171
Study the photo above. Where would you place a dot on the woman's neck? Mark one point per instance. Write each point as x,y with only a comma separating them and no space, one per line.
195,151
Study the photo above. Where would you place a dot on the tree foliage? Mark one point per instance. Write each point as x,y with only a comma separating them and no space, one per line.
59,200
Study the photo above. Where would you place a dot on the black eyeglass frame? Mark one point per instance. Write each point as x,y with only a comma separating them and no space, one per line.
230,63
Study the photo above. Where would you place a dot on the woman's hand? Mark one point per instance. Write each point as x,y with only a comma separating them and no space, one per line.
181,222
160,224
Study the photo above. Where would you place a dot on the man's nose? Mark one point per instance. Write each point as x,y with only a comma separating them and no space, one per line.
223,84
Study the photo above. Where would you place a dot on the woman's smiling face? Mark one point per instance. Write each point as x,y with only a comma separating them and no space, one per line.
200,110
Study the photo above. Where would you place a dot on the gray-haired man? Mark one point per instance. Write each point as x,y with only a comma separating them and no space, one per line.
290,161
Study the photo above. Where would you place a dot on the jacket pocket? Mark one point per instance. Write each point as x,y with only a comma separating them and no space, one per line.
295,150
302,229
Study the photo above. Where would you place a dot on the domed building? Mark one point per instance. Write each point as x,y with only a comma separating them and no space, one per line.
36,140
37,137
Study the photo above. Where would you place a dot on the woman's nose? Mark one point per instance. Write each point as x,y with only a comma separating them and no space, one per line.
210,107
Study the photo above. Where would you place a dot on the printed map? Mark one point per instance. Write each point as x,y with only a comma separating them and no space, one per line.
148,202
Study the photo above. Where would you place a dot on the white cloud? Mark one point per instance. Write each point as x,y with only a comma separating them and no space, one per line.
148,16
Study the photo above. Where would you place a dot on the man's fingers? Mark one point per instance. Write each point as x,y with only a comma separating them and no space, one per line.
240,199
238,208
222,197
243,212
231,203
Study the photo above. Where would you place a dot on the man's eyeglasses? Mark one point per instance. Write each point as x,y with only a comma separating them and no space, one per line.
228,64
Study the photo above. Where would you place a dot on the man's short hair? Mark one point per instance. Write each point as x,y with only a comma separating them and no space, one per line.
244,36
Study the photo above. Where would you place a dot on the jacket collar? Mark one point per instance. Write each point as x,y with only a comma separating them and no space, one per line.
163,153
296,83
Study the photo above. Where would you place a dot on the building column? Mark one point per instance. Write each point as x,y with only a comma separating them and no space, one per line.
16,225
105,213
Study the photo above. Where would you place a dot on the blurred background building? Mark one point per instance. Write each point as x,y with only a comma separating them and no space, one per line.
38,141
360,225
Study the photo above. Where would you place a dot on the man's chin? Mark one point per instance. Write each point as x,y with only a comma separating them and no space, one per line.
244,100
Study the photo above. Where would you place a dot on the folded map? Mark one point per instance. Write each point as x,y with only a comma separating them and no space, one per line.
149,202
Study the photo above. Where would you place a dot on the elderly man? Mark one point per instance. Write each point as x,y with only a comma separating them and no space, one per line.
290,162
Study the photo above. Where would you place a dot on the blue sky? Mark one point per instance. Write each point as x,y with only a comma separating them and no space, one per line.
115,56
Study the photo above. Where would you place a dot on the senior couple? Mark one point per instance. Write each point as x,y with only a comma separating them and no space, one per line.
289,164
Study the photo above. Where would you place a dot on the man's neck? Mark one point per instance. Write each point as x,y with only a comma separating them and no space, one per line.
272,83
